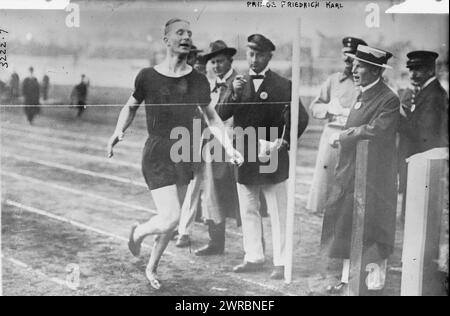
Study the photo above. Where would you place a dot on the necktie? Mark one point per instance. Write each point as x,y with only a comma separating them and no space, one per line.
253,77
218,86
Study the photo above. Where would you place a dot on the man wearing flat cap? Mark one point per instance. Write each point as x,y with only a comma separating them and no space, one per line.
333,103
213,182
260,101
373,117
424,109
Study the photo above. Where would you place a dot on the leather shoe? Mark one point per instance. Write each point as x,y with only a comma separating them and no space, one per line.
209,250
248,267
336,289
183,241
277,273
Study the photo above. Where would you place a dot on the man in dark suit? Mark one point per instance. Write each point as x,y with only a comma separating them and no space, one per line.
31,94
213,181
260,106
424,110
424,123
374,117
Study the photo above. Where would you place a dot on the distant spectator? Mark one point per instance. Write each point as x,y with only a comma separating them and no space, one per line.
2,87
30,91
45,86
14,84
79,95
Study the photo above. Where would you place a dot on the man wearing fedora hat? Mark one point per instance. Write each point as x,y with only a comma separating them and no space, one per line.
424,109
333,103
374,117
213,182
260,100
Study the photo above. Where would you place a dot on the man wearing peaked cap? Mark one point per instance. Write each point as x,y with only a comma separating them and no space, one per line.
260,101
424,109
336,96
373,117
260,43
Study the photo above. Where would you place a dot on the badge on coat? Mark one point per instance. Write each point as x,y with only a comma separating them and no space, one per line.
264,95
413,107
358,105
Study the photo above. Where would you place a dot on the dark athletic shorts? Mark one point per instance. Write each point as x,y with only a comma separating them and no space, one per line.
158,169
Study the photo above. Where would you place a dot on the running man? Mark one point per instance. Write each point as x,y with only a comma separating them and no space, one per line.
173,93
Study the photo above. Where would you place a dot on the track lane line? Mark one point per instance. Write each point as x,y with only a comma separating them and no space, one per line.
71,153
92,195
301,170
37,272
75,191
114,236
76,170
100,174
86,137
59,141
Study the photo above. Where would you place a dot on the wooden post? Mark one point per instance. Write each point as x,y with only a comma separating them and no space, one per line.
424,206
365,269
295,97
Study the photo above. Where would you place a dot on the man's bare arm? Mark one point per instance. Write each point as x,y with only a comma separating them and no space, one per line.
125,119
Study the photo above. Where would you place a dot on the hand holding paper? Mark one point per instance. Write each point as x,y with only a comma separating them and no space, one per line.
266,148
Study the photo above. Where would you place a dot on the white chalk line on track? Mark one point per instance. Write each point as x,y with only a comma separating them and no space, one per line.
74,191
97,174
76,170
64,142
94,174
85,137
101,146
52,141
91,195
114,236
69,153
37,272
77,136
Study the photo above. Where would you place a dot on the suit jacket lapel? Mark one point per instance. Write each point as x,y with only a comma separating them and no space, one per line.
263,85
249,89
226,92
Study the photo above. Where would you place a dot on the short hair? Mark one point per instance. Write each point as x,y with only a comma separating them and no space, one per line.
172,21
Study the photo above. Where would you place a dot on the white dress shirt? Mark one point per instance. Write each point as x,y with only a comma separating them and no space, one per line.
257,82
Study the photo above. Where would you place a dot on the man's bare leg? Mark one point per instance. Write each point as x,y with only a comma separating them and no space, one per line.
158,249
168,206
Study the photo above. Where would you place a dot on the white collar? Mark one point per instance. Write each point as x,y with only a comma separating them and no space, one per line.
364,89
225,78
263,73
428,82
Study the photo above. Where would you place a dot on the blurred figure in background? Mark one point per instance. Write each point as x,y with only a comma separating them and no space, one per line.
45,86
14,86
193,55
3,88
79,95
333,103
31,94
197,61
